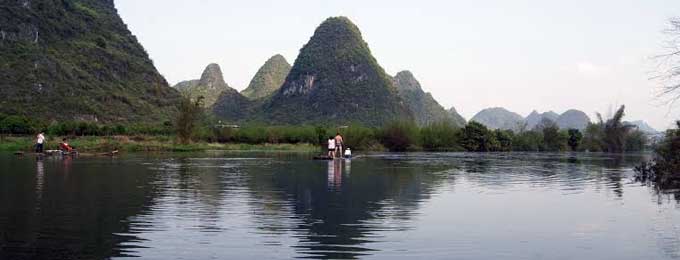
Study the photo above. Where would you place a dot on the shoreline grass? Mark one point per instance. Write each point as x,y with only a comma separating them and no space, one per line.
145,144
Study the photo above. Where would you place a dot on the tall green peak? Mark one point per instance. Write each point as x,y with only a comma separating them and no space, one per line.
268,78
425,108
336,80
66,60
209,86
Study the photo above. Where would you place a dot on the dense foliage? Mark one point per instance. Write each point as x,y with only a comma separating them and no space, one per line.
190,112
664,170
76,60
613,135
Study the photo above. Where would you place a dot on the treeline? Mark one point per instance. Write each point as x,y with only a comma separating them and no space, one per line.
609,135
21,125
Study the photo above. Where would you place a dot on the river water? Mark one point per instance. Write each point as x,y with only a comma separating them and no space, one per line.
377,206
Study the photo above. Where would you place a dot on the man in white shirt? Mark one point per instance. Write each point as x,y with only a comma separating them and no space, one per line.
40,142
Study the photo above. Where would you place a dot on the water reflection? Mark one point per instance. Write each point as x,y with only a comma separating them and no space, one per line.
285,206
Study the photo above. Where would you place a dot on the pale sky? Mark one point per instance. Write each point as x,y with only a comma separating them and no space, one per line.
590,55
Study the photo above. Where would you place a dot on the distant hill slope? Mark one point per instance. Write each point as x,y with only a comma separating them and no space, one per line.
336,80
498,118
268,78
233,107
77,60
460,120
573,119
209,86
535,118
425,108
644,127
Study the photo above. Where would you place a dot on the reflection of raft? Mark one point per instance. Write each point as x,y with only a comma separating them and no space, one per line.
323,157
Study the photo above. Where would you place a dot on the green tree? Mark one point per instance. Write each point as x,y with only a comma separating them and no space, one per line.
504,139
189,114
636,141
399,136
529,141
439,136
592,138
614,131
553,139
475,137
575,137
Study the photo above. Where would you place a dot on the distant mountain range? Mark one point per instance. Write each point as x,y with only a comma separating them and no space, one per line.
536,118
573,119
644,127
77,60
209,86
84,64
499,118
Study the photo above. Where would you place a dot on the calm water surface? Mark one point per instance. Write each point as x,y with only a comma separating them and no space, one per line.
380,206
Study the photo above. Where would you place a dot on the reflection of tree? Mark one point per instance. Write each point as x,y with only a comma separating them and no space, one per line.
74,217
337,221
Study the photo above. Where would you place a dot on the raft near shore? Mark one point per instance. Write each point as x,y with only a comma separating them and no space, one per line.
73,153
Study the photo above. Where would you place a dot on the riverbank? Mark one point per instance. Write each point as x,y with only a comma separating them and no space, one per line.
145,144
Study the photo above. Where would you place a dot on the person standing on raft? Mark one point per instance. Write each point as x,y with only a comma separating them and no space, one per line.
40,142
331,147
338,144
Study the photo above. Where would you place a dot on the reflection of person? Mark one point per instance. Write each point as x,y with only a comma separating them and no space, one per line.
331,147
338,144
40,142
334,173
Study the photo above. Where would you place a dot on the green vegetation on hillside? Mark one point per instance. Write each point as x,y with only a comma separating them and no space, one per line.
426,110
336,79
76,60
268,78
208,87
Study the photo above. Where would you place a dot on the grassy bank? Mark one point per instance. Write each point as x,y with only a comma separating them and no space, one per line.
145,144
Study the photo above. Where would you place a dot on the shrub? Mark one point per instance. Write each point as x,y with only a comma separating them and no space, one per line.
475,137
528,141
360,138
400,136
440,136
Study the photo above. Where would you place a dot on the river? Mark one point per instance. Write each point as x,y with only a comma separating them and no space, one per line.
376,206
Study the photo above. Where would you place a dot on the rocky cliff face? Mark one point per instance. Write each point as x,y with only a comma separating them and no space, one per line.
68,60
268,78
336,80
573,119
499,118
425,108
210,86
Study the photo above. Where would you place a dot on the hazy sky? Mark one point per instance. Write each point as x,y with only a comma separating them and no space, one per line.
590,55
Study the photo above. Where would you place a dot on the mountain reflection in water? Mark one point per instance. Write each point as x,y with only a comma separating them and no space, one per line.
385,206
